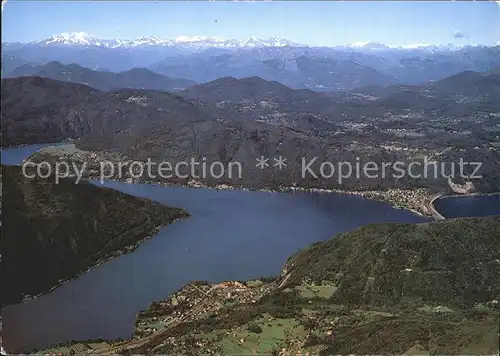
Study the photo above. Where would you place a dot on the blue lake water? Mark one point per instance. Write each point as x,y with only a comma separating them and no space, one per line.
231,235
472,205
15,156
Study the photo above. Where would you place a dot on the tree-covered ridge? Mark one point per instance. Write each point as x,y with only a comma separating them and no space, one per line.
55,231
451,261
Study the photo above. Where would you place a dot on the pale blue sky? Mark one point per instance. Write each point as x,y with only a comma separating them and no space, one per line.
307,22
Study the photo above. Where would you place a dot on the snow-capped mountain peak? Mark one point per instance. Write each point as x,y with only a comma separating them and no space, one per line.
436,48
143,41
206,39
72,38
375,46
253,42
196,42
358,44
203,42
280,42
415,46
369,45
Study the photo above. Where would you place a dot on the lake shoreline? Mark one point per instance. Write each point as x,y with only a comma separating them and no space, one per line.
49,144
440,216
415,200
428,209
470,195
384,212
389,196
127,249
380,196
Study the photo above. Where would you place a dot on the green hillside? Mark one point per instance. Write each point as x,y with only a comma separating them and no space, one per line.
423,289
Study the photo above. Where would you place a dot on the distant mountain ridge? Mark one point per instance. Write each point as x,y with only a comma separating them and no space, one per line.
138,78
468,86
240,119
71,110
249,89
302,72
10,63
203,58
36,109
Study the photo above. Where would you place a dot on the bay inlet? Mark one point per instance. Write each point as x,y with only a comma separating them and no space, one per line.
231,235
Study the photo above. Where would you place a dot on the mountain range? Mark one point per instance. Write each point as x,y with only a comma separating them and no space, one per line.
85,39
36,109
202,59
193,42
71,109
301,71
405,125
240,119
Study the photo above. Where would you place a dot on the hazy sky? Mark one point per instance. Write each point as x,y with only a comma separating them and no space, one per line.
306,22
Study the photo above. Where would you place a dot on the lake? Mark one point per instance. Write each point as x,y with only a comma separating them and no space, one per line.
15,156
468,205
231,235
